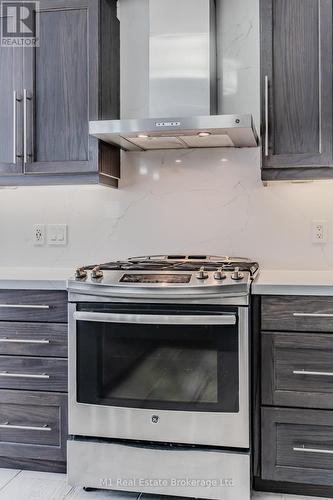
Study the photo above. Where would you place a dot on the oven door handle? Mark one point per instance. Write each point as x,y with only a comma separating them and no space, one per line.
151,319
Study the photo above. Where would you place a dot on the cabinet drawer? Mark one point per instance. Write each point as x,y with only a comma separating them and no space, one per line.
297,446
302,314
33,305
33,339
35,374
33,425
297,369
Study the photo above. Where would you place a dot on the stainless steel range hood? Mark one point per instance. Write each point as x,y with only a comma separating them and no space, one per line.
181,84
180,133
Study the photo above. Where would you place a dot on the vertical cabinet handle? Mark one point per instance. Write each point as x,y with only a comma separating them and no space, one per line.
14,126
26,98
266,116
15,100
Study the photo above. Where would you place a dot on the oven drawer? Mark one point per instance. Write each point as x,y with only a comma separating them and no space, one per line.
297,369
33,339
33,425
33,305
32,373
100,464
297,446
302,314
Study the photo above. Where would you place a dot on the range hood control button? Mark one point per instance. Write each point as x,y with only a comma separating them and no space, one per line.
237,275
97,273
220,274
202,274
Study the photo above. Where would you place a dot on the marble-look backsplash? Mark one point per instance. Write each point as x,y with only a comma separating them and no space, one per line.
180,201
203,204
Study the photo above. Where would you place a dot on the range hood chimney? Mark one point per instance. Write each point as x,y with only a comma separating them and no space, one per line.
182,86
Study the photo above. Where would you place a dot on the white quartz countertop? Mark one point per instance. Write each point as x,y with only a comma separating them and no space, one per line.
284,282
267,282
34,278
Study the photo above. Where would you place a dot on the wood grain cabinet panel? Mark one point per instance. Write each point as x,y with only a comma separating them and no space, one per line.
34,339
33,426
297,370
297,446
33,305
295,313
296,75
33,373
33,379
10,110
70,78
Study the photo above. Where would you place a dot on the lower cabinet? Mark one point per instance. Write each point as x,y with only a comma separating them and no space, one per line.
33,380
293,395
33,430
297,446
298,369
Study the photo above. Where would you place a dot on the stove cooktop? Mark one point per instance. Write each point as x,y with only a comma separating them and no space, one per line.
180,263
167,277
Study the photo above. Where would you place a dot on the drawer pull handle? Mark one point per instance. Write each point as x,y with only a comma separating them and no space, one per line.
25,306
313,450
312,315
7,425
25,375
6,340
316,374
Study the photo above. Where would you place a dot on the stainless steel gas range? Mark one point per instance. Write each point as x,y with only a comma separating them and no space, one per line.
159,376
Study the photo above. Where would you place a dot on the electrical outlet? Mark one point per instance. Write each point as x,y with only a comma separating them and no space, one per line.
57,234
319,231
38,234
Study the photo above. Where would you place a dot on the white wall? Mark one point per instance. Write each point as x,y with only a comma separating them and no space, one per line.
203,204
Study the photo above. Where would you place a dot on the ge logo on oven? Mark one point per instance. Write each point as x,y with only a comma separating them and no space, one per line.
155,419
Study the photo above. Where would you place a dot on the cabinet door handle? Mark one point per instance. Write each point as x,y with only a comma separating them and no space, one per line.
6,340
26,98
14,126
316,374
312,450
25,375
24,306
7,425
312,315
266,116
16,99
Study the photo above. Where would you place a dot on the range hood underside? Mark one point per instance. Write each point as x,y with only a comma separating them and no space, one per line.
181,133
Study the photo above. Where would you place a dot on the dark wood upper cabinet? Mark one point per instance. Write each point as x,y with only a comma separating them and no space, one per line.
296,89
70,78
10,86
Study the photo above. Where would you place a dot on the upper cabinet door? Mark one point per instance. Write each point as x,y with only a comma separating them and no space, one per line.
57,77
10,110
296,76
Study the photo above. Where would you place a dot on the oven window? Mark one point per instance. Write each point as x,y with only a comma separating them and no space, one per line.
158,366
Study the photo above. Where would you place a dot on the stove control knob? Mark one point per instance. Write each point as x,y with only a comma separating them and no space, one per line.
220,274
237,275
97,273
80,273
202,274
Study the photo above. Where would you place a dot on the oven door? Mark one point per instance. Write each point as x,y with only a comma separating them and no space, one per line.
161,374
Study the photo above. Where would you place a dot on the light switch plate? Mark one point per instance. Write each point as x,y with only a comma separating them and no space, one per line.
57,234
